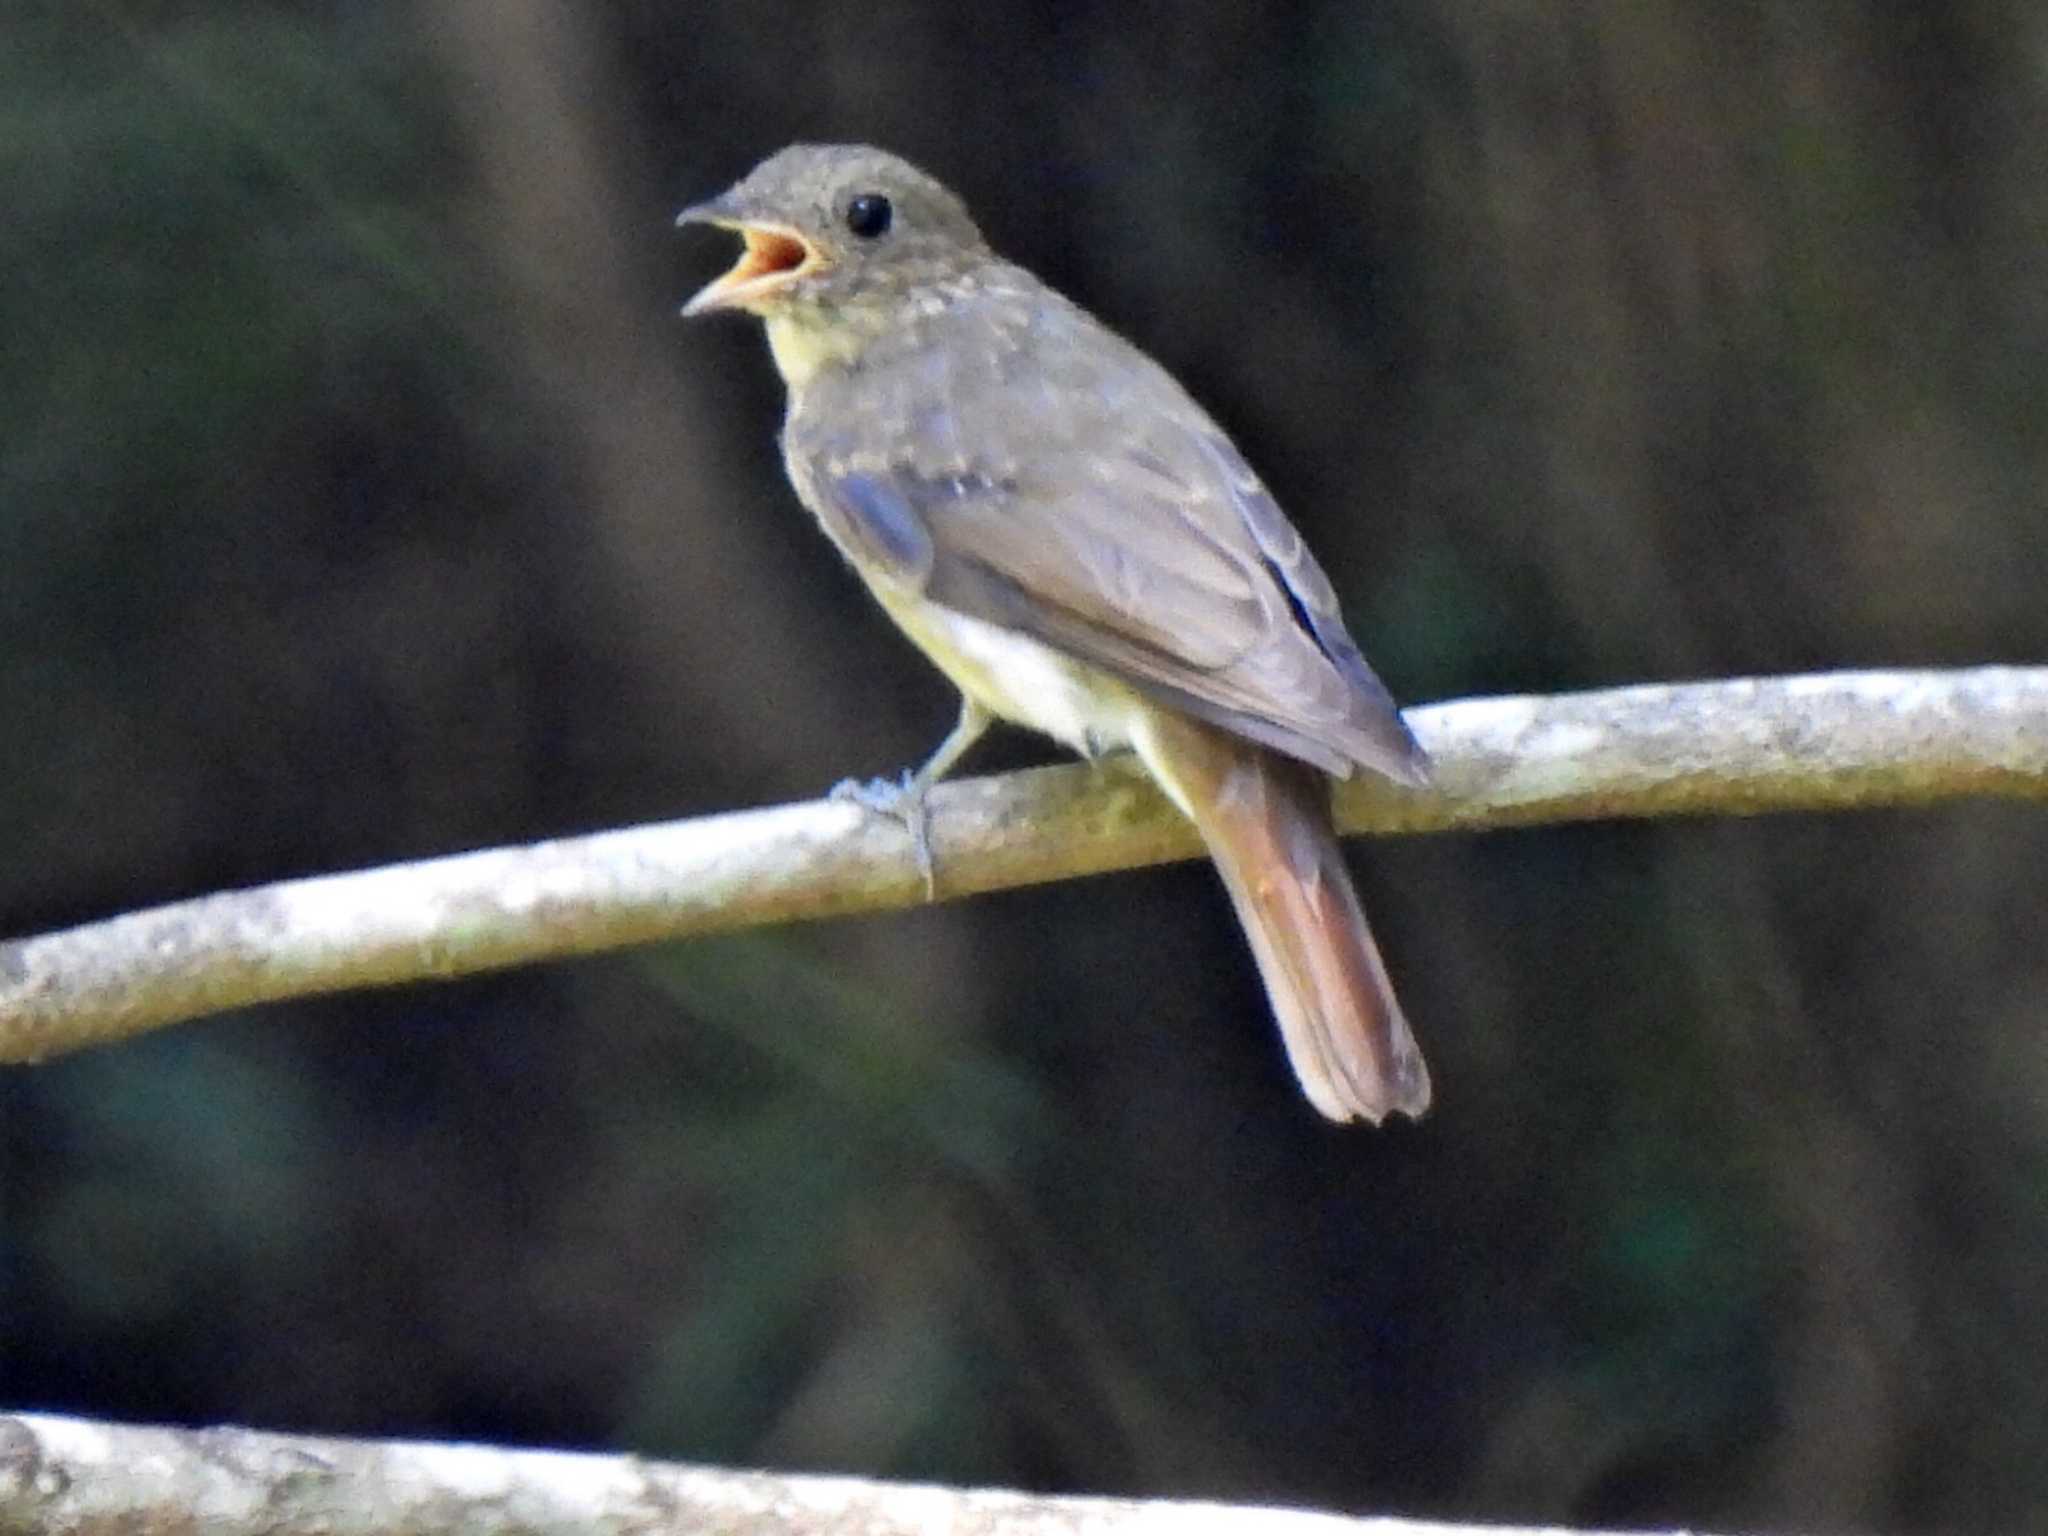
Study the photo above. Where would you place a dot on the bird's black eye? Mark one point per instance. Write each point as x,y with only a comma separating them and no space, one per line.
868,215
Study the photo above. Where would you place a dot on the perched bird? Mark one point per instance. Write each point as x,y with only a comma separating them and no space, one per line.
1073,541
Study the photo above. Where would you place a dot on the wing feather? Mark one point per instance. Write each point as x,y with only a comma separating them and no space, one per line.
1011,458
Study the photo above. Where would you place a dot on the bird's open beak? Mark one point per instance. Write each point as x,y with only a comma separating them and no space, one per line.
775,256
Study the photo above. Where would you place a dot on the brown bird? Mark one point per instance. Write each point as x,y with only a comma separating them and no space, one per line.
1073,541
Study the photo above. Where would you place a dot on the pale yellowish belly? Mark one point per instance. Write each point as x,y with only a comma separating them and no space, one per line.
1020,679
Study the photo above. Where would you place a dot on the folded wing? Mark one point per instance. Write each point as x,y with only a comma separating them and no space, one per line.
1097,509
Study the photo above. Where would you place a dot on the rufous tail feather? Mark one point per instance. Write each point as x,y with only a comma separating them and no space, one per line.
1266,821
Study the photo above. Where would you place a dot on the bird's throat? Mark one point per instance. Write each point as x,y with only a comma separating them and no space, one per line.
803,341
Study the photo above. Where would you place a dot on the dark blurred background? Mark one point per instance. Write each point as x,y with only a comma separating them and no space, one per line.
361,498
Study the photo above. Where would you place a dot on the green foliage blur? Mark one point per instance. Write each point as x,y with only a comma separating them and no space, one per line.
361,498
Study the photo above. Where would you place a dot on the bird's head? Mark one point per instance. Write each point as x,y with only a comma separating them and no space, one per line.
834,232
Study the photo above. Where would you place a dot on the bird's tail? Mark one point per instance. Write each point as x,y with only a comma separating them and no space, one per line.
1266,820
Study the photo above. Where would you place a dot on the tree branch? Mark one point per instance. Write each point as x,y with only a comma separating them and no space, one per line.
1823,742
60,1476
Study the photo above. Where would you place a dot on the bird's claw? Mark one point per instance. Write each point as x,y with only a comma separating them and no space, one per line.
901,799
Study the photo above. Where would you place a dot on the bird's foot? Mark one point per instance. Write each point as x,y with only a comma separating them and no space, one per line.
900,799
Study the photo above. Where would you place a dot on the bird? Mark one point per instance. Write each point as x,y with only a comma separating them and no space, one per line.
1052,519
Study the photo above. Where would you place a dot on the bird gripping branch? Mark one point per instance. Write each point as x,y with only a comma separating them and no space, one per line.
1080,549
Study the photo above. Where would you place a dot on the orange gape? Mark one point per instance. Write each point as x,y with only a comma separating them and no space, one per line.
1050,518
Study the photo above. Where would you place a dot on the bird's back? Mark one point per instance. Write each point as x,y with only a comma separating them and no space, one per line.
1000,452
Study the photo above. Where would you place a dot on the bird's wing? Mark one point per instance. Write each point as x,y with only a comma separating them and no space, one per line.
1013,459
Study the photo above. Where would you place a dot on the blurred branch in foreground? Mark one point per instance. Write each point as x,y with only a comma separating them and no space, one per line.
62,1475
1829,741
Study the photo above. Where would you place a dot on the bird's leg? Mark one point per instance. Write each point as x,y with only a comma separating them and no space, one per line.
904,798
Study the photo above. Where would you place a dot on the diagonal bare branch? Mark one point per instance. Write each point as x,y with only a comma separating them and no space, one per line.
1829,741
